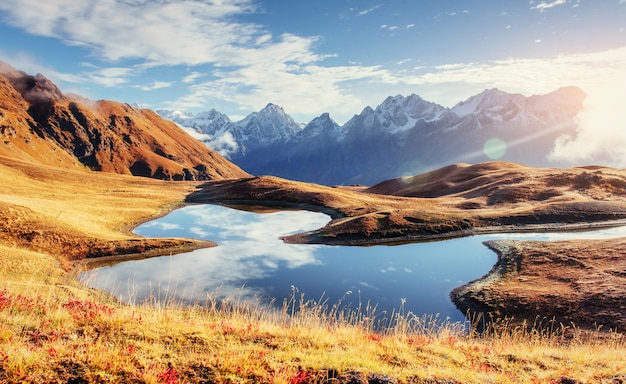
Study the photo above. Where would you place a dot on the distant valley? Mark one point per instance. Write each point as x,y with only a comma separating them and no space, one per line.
401,136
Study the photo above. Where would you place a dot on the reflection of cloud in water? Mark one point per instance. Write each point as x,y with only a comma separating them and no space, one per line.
593,233
251,264
368,285
194,276
235,224
199,232
163,226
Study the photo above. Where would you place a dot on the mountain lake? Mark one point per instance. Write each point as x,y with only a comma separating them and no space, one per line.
251,264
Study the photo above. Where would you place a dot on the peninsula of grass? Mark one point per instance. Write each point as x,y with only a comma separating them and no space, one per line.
53,329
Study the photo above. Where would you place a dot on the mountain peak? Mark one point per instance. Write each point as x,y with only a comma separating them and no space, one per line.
270,124
367,111
34,89
321,126
487,100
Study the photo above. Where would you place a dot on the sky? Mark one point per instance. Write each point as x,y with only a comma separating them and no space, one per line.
335,56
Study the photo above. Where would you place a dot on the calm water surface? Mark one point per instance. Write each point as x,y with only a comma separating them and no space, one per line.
252,263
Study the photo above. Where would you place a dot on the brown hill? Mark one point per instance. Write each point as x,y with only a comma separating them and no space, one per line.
38,123
456,200
503,182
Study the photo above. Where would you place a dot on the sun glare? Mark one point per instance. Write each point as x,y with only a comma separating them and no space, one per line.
601,135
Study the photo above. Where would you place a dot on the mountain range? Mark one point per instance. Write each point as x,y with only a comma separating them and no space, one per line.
40,124
401,136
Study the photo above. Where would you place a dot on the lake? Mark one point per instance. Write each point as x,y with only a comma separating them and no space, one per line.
251,263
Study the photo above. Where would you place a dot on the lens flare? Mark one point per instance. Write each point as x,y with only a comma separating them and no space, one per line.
494,148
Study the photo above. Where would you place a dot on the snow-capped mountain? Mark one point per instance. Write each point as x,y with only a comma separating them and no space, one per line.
401,136
234,139
213,128
399,113
268,126
322,126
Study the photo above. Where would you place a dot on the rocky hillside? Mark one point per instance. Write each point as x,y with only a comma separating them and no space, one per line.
38,123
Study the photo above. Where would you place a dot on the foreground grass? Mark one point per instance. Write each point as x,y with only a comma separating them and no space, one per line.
52,329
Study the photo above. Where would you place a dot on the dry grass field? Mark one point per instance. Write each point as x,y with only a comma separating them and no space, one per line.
53,329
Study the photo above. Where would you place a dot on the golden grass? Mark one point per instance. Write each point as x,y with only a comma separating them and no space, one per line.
53,329
63,333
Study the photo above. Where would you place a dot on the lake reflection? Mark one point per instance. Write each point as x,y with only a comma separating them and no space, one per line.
251,262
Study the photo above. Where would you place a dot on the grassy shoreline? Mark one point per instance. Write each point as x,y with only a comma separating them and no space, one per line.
54,329
65,332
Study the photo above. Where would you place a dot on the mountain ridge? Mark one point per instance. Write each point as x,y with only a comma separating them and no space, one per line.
403,135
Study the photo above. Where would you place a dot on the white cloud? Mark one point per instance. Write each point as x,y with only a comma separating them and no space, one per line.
601,137
192,77
527,76
195,134
225,144
547,5
156,85
310,90
369,10
301,90
166,32
109,77
403,61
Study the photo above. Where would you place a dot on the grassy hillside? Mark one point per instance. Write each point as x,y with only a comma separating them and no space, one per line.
53,329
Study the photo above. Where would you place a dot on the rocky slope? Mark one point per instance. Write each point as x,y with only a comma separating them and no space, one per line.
39,123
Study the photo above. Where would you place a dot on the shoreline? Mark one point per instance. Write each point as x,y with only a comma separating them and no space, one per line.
312,237
571,285
91,263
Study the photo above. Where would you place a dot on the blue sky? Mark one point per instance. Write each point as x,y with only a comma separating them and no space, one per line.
310,57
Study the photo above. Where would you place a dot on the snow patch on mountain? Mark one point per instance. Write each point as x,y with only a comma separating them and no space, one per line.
321,126
269,125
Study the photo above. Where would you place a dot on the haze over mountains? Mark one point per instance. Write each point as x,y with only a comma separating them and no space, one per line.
38,123
402,136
